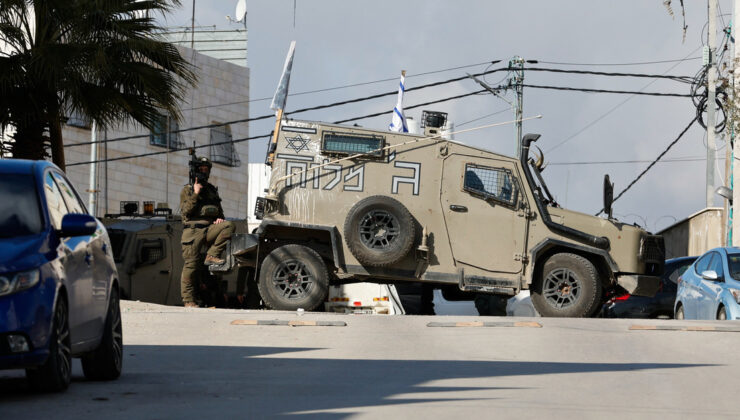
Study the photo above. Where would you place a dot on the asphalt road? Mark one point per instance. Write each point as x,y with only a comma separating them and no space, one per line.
194,363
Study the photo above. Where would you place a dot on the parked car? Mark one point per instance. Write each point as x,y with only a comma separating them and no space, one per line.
59,293
658,306
710,288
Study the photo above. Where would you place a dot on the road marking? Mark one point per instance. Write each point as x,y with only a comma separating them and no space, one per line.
682,328
522,324
289,323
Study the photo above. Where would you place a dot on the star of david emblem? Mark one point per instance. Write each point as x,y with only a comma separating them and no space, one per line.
297,143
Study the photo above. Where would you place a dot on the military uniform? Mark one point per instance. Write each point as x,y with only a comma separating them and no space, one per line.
199,211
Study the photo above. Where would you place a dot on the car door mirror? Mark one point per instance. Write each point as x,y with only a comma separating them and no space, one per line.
709,275
77,225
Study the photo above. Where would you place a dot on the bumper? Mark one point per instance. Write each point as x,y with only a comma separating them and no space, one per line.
28,313
639,285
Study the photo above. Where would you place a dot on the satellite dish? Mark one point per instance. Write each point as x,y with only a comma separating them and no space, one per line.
241,10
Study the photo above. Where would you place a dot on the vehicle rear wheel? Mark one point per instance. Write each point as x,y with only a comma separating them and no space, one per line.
379,231
679,312
722,314
105,362
293,277
567,287
56,373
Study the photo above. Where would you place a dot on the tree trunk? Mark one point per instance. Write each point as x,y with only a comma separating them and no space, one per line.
57,143
29,143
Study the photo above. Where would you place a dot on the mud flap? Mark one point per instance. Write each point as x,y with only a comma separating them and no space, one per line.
240,251
638,285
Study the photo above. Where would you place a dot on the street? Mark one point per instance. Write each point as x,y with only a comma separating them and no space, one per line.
194,363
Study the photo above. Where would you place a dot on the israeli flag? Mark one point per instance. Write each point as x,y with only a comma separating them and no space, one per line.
398,122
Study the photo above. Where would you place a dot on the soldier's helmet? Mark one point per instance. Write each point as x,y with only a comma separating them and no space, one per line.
204,161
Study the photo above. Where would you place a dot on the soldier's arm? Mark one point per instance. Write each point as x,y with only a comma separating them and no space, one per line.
220,209
188,200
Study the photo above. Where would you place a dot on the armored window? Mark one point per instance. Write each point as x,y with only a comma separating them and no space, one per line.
222,147
158,136
334,143
150,251
491,183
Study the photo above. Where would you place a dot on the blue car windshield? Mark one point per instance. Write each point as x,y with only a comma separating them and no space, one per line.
733,261
19,207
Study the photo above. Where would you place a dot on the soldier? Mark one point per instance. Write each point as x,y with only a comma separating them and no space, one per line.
203,223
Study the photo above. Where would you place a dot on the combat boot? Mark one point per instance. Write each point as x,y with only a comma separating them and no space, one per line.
191,305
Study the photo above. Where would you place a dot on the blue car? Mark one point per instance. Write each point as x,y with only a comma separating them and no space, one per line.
710,288
59,293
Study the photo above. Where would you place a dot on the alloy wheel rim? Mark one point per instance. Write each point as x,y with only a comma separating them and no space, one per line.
293,279
562,288
63,354
379,229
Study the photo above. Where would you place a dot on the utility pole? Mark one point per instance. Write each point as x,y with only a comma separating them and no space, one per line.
517,66
93,170
734,222
711,100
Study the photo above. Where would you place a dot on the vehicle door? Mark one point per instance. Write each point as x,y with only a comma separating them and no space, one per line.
709,290
691,281
482,204
75,258
153,265
98,256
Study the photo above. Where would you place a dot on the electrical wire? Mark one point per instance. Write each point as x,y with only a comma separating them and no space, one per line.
619,64
634,181
683,79
629,92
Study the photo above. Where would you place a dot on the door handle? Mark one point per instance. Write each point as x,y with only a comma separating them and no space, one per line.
461,209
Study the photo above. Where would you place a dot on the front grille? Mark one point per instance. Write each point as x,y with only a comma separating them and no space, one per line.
259,208
652,249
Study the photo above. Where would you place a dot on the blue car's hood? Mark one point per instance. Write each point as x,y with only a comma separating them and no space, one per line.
23,253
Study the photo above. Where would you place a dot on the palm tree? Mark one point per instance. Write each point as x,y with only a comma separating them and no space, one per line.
101,58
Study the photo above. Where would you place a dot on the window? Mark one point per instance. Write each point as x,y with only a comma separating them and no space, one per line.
19,209
351,144
54,201
158,134
703,264
74,204
222,147
716,265
492,183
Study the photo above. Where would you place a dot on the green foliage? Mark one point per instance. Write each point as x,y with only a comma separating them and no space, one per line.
102,58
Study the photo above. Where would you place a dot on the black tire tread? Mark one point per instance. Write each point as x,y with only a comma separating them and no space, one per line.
295,251
47,378
371,258
582,309
99,365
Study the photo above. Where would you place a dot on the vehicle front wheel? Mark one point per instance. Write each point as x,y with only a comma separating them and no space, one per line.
722,314
567,287
56,373
105,362
679,313
292,277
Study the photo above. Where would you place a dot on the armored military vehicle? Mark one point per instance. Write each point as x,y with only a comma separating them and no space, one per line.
148,255
348,204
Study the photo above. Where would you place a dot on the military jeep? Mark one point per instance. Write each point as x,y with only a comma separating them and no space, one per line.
349,204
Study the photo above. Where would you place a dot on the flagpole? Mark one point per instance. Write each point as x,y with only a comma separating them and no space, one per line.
278,118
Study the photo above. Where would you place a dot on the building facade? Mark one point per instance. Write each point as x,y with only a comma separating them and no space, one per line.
219,101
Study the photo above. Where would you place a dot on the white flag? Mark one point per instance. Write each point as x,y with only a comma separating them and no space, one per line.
281,93
398,122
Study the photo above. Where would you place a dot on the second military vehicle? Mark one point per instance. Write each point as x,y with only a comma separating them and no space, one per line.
349,204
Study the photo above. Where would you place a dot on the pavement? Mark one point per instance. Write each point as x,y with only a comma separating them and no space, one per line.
198,363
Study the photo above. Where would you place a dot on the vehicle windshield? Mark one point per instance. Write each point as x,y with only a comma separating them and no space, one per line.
20,213
733,261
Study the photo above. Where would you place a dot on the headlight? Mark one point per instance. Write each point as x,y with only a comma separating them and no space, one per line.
18,281
735,294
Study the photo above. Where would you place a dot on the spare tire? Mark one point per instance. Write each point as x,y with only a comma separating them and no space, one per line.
379,231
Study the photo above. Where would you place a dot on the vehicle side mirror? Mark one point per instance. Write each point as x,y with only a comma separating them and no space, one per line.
77,225
710,275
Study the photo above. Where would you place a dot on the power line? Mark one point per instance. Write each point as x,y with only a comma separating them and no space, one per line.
619,64
629,92
256,137
653,163
683,79
610,162
614,108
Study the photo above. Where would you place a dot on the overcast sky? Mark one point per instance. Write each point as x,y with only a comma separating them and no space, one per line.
342,42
